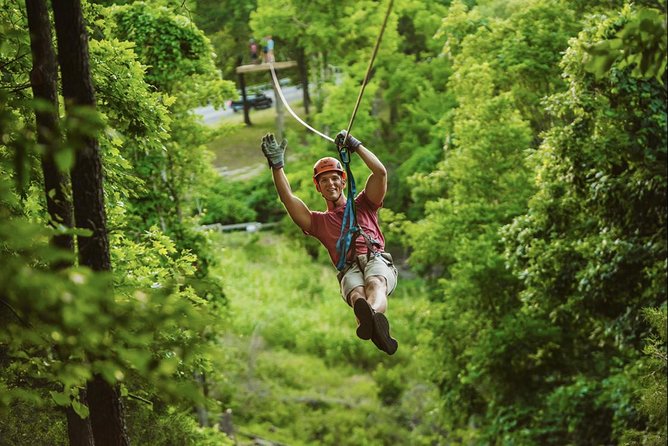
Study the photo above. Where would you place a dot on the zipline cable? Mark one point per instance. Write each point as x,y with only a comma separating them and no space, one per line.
350,230
294,115
359,96
368,69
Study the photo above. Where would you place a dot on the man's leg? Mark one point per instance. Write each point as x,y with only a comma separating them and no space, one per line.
375,288
363,312
352,291
356,293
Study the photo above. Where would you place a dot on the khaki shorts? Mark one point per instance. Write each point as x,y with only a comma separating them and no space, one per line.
379,264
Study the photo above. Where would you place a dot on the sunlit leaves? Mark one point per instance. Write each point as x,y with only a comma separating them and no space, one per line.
640,45
592,243
177,55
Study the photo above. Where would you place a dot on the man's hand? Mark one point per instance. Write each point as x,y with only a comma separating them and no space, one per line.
351,142
274,152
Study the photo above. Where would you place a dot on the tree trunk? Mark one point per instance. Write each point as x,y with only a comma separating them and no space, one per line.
106,413
200,409
242,87
106,409
43,79
80,432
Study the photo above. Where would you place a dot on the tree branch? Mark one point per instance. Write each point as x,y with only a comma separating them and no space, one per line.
23,322
138,398
16,59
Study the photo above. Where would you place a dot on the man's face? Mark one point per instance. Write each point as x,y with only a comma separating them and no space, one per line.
331,185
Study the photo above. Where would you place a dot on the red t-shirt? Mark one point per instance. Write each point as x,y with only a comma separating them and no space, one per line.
326,226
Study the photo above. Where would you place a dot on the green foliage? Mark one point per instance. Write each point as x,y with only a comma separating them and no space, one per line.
538,223
149,324
640,44
158,133
229,202
79,326
296,373
226,24
225,205
591,247
651,371
170,426
522,50
178,56
52,428
514,341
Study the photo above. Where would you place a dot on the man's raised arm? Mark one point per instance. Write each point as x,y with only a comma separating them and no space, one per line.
296,208
376,184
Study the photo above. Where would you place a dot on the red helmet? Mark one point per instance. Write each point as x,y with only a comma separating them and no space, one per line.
327,164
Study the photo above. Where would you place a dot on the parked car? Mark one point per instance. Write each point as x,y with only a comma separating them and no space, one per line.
258,101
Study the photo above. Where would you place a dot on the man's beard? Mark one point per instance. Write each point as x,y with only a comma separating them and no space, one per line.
336,199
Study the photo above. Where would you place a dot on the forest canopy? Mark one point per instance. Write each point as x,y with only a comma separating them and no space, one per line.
525,143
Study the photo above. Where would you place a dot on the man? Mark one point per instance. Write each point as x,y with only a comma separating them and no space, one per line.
370,276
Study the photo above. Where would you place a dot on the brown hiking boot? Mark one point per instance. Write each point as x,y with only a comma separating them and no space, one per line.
381,334
364,315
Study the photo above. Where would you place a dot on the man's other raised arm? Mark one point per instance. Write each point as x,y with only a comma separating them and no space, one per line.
275,154
298,211
376,184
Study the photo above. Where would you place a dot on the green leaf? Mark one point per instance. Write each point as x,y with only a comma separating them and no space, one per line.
64,158
80,409
61,398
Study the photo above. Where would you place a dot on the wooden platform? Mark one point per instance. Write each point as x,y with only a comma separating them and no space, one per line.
265,66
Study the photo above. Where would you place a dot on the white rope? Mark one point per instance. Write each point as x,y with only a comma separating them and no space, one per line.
359,96
294,115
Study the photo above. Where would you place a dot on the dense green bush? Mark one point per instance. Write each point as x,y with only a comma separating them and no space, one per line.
229,201
170,426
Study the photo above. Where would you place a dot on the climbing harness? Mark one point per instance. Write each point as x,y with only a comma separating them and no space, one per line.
350,230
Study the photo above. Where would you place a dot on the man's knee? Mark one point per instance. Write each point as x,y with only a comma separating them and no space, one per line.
375,283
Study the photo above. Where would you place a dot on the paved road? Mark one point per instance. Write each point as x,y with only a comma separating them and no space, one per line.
212,116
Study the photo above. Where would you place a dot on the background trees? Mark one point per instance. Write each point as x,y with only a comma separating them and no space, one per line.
527,198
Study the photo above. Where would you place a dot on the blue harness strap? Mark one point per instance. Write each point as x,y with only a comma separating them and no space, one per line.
349,229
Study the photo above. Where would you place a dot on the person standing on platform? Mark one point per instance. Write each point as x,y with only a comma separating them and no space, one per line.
253,51
270,49
264,50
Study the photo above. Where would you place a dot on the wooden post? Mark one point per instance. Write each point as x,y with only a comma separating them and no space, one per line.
280,119
303,79
242,85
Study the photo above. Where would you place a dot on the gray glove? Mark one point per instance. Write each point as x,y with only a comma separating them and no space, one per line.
274,151
351,142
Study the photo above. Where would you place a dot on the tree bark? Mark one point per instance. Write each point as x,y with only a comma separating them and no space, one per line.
78,90
43,79
106,408
108,421
79,431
